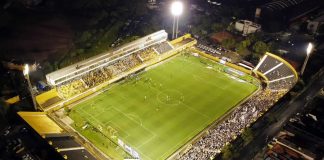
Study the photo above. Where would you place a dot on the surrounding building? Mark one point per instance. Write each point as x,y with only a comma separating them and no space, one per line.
247,27
302,137
316,26
276,15
219,37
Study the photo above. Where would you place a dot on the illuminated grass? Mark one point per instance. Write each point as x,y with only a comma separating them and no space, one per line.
161,109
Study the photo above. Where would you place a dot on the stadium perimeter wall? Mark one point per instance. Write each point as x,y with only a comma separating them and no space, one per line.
285,62
226,63
180,39
234,66
156,60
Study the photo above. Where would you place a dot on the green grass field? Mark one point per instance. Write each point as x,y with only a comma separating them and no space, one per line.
161,109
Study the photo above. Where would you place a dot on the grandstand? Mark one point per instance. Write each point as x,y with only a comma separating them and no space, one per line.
63,142
277,71
68,73
105,113
163,47
79,77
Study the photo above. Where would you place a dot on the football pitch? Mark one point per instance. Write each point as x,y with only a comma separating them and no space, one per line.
159,110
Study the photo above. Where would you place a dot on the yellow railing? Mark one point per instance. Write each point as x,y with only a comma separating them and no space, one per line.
180,39
13,100
285,62
41,123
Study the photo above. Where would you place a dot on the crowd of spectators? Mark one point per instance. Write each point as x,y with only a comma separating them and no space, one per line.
282,84
163,47
219,135
225,131
104,73
71,88
147,54
209,145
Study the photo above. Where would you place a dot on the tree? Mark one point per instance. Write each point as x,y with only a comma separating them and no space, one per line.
243,51
229,43
217,27
247,135
246,43
260,47
254,37
47,67
67,110
242,47
227,152
86,35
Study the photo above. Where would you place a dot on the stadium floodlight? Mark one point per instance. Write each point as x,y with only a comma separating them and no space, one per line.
309,48
176,10
26,70
308,52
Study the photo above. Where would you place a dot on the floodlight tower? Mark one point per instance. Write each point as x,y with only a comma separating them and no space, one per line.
176,10
308,52
26,74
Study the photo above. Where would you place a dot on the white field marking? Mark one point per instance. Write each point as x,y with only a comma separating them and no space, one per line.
202,80
188,107
137,148
174,147
116,126
135,122
135,116
148,140
99,111
152,133
94,118
185,139
163,93
141,153
185,104
103,124
207,82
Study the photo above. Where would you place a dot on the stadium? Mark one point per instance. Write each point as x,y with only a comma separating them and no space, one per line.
158,99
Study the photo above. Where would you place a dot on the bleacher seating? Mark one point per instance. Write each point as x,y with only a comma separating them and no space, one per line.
282,84
68,147
146,55
268,63
71,88
279,74
163,47
104,73
281,71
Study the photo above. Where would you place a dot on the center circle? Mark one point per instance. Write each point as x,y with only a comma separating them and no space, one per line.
170,97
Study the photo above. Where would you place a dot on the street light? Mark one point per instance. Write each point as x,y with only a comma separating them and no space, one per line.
176,10
26,74
308,52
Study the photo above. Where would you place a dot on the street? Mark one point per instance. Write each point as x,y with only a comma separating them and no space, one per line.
285,112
